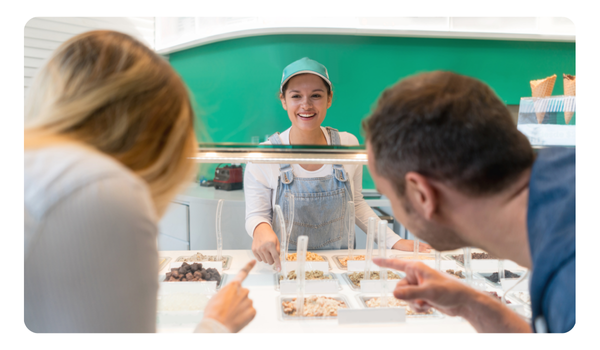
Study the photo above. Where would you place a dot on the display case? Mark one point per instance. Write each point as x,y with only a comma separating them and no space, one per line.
189,223
548,121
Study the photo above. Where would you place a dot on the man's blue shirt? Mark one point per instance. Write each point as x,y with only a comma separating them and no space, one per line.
551,229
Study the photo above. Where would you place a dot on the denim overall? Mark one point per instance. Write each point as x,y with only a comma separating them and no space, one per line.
320,204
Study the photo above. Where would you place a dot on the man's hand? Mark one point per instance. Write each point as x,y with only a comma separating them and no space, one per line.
265,245
424,287
409,246
231,305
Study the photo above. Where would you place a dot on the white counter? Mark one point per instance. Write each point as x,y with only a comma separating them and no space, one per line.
261,284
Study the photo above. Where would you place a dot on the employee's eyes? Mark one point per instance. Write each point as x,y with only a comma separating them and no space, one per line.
295,96
317,95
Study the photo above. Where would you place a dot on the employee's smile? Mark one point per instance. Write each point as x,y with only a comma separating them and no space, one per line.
306,116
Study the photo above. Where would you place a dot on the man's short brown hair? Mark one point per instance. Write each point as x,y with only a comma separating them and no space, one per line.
450,128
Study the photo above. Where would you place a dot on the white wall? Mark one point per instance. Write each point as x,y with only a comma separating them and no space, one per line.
44,34
180,33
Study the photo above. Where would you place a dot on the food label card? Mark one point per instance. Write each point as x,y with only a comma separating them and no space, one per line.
444,264
359,266
311,287
484,265
507,283
204,287
491,265
374,286
309,266
371,315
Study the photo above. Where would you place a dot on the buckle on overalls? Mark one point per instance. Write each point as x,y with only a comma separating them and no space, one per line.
340,173
287,176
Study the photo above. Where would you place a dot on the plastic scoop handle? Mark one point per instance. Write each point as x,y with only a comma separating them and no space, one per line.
467,263
218,227
415,248
300,273
372,226
283,248
382,231
350,212
290,219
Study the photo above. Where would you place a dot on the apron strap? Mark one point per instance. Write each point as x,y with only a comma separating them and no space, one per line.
286,174
338,169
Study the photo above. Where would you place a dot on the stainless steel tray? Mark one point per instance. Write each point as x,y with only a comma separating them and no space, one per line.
276,277
226,263
162,277
484,275
409,256
357,288
284,317
362,301
162,261
322,256
450,257
336,259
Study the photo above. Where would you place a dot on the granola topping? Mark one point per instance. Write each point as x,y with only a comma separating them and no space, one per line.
315,306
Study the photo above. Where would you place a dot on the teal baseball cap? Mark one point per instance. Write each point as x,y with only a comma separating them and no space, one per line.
302,66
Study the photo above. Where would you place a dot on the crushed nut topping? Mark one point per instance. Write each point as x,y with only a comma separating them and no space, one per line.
309,257
355,277
315,306
344,260
309,275
393,302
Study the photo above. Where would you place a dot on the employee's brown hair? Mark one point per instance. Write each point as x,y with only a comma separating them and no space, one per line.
109,92
450,128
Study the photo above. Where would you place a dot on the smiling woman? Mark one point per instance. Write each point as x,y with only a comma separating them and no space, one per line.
321,192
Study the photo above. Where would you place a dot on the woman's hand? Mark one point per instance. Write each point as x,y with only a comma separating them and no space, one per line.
409,245
231,306
265,245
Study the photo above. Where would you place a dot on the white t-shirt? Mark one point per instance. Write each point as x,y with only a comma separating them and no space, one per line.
260,184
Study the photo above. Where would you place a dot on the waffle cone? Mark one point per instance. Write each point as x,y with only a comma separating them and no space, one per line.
568,116
569,86
542,88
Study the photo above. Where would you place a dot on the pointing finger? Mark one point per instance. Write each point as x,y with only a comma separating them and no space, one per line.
241,276
395,264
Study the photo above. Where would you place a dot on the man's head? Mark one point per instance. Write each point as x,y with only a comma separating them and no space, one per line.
441,128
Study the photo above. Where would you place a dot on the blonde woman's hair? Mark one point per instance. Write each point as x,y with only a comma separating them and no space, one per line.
108,91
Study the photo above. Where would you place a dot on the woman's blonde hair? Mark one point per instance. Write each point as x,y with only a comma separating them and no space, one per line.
107,90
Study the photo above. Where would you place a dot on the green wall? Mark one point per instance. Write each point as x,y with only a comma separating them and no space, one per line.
235,83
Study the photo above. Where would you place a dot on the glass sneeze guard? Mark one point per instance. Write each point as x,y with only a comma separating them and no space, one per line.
280,154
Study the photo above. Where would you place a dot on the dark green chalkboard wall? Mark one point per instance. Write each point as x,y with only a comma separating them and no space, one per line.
235,83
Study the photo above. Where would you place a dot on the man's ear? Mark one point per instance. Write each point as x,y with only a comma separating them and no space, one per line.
422,194
329,100
282,99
